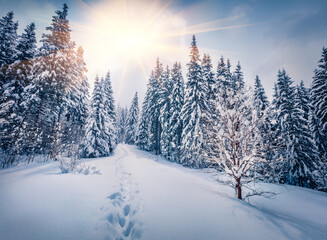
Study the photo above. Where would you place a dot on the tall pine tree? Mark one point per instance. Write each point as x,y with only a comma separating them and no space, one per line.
109,105
195,112
176,102
165,114
55,72
152,110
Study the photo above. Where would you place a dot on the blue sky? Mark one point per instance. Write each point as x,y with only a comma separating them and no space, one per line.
263,35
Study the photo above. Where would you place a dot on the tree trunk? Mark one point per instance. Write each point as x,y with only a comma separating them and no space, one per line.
239,188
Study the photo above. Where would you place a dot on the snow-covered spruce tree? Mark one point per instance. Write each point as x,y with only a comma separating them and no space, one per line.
194,112
18,76
236,136
260,100
304,98
208,75
8,99
142,134
165,114
238,79
121,120
8,40
132,121
96,141
306,153
295,166
153,108
319,117
210,80
176,102
109,105
77,108
262,107
55,71
22,76
224,79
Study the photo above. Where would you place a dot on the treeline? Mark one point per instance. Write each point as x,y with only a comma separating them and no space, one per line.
215,120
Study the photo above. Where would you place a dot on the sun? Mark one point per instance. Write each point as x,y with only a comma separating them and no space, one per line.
128,35
129,30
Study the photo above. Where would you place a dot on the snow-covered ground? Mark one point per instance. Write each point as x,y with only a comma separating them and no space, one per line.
138,196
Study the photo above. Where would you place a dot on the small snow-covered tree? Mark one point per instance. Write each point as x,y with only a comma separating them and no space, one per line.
236,135
132,121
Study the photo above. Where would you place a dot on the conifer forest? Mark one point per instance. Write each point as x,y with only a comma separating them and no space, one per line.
201,134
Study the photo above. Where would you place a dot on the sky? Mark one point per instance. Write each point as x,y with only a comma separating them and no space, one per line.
126,36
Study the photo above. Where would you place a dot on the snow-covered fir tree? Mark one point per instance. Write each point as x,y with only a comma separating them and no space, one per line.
223,79
284,98
8,99
142,133
319,116
238,79
165,114
295,166
195,112
22,78
55,71
8,40
77,107
305,149
18,76
260,100
132,121
176,104
109,105
208,75
97,141
262,107
152,110
121,125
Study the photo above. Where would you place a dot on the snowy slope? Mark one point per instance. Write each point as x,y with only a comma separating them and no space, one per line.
138,196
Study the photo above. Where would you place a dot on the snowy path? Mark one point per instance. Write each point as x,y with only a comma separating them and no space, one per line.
138,196
122,216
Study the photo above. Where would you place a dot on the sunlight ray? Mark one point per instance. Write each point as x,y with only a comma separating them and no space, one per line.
142,66
122,79
190,31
